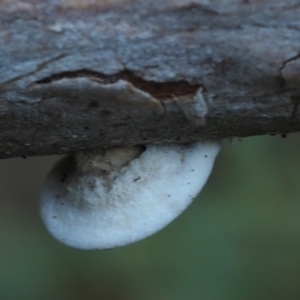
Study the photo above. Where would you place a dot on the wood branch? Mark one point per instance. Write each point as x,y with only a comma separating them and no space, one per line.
84,74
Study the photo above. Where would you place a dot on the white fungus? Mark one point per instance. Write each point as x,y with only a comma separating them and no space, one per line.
120,195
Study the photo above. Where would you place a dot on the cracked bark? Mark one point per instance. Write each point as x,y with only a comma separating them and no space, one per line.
85,74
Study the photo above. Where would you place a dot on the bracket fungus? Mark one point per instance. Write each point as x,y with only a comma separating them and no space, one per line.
117,196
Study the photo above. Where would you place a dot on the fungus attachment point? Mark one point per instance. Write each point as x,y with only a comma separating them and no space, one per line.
120,195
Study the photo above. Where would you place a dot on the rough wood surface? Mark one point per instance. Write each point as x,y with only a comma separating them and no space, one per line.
83,74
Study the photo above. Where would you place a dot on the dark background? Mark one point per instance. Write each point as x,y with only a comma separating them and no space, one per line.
239,240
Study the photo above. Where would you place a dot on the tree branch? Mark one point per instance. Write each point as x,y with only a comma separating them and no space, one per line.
83,74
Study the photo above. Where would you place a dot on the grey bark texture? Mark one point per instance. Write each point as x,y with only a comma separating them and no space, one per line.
84,74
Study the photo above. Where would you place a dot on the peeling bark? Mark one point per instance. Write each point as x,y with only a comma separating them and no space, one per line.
85,74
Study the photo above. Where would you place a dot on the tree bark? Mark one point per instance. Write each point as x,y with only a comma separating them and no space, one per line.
84,74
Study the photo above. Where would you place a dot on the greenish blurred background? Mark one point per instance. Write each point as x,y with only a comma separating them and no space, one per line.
239,240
